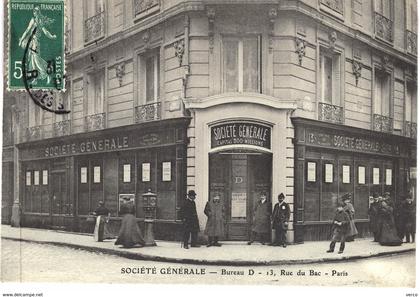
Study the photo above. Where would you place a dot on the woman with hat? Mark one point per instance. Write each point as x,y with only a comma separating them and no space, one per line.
388,233
349,209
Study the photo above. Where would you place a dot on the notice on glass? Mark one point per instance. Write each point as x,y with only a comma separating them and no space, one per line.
28,178
83,175
346,174
127,173
36,177
145,172
376,176
166,171
362,175
238,205
328,173
388,177
45,177
311,172
96,174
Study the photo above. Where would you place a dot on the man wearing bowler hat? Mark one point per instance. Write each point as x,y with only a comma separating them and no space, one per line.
190,220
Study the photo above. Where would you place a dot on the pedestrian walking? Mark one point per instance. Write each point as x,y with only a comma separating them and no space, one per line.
373,217
261,220
388,233
215,226
102,214
129,235
349,209
408,211
280,218
190,220
340,226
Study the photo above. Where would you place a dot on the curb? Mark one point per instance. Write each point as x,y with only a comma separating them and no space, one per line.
140,256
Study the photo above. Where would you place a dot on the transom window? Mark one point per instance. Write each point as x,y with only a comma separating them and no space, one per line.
241,64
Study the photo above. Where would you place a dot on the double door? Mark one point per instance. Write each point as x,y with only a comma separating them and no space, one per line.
239,179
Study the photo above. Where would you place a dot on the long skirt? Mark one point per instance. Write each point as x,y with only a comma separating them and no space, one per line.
101,231
388,234
129,234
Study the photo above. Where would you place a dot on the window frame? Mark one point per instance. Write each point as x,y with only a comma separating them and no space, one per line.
381,73
337,88
141,80
91,104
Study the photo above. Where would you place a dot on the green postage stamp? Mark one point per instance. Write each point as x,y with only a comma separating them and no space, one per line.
36,44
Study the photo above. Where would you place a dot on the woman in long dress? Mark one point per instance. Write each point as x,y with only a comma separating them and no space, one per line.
349,209
129,234
388,233
101,231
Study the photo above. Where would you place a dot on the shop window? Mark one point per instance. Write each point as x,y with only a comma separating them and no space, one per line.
382,99
145,172
36,178
96,174
95,92
45,177
346,174
149,77
329,173
28,178
127,173
241,64
388,177
375,176
330,78
361,175
83,175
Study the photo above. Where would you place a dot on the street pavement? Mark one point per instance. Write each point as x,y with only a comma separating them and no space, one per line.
231,253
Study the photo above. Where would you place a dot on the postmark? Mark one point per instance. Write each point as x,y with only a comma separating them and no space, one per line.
36,51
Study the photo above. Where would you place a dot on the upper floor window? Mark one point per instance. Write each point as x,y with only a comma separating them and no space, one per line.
383,19
95,92
411,26
330,78
411,103
149,77
382,93
34,114
94,7
94,20
384,7
241,64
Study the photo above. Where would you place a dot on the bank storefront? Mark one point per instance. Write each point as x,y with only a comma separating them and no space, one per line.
332,160
63,179
240,152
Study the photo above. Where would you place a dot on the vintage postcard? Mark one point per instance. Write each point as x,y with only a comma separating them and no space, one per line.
210,142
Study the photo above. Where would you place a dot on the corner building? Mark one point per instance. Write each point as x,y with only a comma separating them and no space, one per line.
310,98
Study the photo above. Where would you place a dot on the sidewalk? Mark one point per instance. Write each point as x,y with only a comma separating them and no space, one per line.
231,253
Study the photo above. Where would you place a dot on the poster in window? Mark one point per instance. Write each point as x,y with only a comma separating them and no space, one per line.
328,173
413,171
238,202
145,170
96,174
346,174
83,175
36,178
28,178
166,171
45,177
127,173
311,172
375,176
362,175
388,177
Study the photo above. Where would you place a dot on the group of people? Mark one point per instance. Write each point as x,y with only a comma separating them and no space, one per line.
215,226
390,224
389,227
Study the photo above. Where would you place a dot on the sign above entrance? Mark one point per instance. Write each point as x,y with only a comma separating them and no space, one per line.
241,133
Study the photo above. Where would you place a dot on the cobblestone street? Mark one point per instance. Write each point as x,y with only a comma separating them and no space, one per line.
30,262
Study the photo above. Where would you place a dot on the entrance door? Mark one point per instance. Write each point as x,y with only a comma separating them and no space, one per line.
239,179
59,199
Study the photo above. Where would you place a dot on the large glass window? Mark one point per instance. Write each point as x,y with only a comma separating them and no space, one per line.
241,64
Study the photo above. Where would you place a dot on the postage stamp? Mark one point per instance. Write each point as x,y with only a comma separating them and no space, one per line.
36,45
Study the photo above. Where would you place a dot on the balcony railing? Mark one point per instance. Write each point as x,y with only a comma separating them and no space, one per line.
383,27
411,42
62,128
67,41
330,113
382,123
336,5
410,129
95,122
95,27
148,112
144,7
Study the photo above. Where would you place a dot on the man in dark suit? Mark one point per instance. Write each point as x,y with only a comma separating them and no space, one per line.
190,220
280,217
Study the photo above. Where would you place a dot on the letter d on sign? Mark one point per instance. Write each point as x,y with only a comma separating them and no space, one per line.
239,180
251,272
